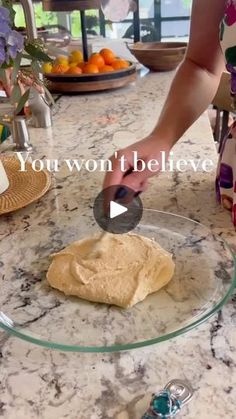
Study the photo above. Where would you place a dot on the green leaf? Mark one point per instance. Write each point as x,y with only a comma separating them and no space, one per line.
22,101
230,55
10,64
37,53
16,67
16,94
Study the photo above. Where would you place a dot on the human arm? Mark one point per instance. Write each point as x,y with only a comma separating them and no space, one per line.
192,90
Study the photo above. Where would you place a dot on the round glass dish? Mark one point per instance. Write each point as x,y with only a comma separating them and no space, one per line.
29,309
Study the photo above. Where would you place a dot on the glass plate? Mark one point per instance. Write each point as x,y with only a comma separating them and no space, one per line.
203,281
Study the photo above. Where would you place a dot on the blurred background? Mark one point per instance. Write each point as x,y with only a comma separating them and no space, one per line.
160,20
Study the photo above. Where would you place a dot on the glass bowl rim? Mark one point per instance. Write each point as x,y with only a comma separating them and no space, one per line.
139,344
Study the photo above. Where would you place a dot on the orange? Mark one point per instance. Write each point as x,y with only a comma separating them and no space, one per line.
76,56
90,69
108,55
106,69
59,68
97,60
81,65
120,64
62,59
73,65
74,70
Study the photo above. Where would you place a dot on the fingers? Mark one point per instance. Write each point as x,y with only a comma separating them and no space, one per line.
144,185
127,187
120,165
123,173
112,179
132,185
137,181
133,166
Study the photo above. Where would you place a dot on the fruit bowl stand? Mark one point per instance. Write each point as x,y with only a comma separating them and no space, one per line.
89,82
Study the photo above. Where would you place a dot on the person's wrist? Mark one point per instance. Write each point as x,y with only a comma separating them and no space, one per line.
161,142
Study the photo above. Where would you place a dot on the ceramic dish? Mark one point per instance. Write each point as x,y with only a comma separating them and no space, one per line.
29,309
159,56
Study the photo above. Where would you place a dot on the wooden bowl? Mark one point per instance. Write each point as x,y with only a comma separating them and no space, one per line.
159,56
82,83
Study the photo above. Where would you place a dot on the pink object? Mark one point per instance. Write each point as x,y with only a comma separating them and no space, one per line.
234,214
230,13
226,170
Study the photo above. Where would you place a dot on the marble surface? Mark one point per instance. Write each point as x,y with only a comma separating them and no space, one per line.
46,384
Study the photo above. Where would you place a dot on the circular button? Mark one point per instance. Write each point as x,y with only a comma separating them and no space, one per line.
118,209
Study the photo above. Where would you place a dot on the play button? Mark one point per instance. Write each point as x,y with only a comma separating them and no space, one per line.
117,209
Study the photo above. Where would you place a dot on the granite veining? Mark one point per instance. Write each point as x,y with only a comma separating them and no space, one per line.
41,383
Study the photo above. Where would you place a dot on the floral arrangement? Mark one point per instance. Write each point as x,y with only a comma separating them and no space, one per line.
230,12
15,79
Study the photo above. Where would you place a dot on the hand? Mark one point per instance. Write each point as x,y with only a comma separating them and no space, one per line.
147,149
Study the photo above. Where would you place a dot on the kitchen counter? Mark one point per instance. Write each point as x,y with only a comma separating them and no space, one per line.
40,383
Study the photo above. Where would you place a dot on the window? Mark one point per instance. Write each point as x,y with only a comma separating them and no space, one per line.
160,19
42,18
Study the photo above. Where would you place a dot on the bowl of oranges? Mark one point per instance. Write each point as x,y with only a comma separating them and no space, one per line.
102,71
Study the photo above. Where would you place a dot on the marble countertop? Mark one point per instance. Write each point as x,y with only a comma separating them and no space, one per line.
46,384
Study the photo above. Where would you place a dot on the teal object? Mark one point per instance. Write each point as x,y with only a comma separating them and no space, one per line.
168,402
163,405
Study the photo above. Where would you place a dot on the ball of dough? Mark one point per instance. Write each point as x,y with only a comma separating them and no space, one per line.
122,271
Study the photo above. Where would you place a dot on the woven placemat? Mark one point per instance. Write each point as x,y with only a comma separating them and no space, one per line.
25,187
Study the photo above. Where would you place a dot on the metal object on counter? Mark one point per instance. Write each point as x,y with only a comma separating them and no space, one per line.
20,134
169,401
41,112
19,131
